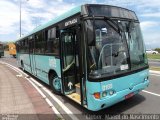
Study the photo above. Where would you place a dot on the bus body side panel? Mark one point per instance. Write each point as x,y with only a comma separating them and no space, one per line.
46,63
122,86
26,61
43,65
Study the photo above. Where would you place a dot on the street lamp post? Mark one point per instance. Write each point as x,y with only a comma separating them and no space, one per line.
20,17
20,4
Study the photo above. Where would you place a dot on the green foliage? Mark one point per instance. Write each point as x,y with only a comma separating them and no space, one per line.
153,56
157,49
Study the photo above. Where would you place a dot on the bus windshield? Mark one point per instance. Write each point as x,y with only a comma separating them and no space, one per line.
115,53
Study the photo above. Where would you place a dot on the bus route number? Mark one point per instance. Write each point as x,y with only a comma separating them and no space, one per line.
107,87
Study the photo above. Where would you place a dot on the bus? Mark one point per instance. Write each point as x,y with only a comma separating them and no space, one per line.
1,50
94,54
12,49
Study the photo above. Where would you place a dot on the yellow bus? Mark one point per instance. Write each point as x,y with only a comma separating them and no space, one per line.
12,49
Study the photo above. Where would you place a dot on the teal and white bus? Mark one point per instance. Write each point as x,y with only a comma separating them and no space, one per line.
93,54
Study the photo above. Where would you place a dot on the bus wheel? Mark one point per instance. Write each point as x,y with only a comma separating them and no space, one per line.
0,55
55,83
22,65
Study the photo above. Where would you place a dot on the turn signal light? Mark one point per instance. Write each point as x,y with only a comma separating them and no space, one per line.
97,95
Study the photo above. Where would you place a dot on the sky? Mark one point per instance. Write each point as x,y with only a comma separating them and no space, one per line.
38,12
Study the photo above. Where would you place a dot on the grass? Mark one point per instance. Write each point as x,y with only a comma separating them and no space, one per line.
153,56
155,68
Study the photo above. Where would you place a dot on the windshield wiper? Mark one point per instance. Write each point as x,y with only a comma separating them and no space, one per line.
113,24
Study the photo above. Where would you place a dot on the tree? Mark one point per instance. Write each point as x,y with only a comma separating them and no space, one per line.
157,49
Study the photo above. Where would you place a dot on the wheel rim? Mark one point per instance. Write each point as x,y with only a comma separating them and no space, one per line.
57,83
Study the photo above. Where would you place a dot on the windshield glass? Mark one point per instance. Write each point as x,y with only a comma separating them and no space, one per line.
109,55
134,38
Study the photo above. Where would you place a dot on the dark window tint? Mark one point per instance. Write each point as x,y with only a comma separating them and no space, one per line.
111,11
40,43
52,43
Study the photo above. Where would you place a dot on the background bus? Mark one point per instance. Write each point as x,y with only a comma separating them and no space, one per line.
93,54
12,49
1,50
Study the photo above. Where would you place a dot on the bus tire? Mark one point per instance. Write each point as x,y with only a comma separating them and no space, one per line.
22,66
55,83
0,55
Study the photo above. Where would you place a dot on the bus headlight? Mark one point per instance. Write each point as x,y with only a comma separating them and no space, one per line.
104,94
111,92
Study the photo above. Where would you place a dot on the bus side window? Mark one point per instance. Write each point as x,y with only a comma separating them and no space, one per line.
40,43
26,46
52,45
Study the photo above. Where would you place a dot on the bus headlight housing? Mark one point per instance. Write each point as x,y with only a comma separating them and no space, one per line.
111,92
104,94
97,95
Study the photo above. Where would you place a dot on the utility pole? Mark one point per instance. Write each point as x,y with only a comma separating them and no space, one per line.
20,4
20,17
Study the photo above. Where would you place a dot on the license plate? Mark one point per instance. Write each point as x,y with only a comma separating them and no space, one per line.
129,95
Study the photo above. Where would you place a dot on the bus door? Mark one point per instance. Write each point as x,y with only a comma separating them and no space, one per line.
32,55
70,61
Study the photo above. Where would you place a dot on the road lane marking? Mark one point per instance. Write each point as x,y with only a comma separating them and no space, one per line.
46,99
151,93
46,90
155,74
56,99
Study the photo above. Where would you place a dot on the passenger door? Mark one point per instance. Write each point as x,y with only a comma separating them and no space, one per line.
32,55
70,62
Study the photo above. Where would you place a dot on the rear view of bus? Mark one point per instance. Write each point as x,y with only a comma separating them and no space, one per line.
117,62
12,49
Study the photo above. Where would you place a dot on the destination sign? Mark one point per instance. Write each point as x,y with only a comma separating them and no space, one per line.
73,21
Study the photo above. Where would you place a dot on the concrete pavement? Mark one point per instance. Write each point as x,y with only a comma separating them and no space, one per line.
143,103
19,97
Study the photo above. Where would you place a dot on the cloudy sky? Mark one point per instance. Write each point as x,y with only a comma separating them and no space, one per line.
37,12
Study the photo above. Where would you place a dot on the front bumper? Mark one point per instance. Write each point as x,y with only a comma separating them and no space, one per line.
98,104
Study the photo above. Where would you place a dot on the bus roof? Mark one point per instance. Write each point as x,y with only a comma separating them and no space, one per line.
65,15
55,20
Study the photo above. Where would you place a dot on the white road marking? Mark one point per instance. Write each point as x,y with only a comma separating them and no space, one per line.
151,93
37,88
56,99
155,74
47,100
46,90
19,75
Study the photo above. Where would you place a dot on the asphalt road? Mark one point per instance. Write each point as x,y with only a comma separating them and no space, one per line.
154,63
142,103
